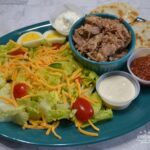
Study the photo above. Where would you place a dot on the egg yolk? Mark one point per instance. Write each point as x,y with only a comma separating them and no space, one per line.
54,35
30,37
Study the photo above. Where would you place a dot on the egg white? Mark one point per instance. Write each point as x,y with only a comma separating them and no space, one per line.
32,43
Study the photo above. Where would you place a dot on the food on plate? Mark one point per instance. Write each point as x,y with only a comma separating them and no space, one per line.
64,22
142,31
30,39
53,36
117,89
120,9
46,85
102,39
141,67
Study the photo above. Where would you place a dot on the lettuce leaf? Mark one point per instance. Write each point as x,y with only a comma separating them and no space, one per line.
31,107
101,116
47,104
20,118
49,98
8,112
89,78
59,114
5,48
51,79
96,106
52,108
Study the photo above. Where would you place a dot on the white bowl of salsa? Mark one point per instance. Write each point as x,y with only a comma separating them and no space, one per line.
139,65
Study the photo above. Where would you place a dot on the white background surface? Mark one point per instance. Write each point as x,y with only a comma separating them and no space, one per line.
15,14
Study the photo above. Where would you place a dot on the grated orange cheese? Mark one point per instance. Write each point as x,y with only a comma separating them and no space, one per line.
75,74
78,125
9,101
69,96
87,132
90,100
49,130
78,87
54,126
64,98
94,127
14,75
12,93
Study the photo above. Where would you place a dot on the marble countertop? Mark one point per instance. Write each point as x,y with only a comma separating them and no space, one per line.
15,14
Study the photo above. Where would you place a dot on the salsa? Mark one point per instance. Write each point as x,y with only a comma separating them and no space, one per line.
141,67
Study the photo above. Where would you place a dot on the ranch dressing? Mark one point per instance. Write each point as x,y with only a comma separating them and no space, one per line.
64,22
117,89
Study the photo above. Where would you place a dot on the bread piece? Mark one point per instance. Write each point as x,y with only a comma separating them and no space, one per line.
142,31
120,9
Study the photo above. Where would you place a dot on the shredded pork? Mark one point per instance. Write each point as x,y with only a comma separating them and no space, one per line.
102,39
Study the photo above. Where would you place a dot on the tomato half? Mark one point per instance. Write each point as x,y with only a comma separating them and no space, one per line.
57,45
17,52
20,90
84,109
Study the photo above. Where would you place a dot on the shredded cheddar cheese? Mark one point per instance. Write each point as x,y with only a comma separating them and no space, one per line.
94,127
87,132
78,86
75,74
78,125
9,101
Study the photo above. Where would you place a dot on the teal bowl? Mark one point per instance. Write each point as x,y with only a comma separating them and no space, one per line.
101,67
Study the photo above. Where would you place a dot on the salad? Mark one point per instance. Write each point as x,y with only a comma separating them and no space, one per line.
43,85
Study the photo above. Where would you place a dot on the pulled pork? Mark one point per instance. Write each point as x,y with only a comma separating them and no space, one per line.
102,39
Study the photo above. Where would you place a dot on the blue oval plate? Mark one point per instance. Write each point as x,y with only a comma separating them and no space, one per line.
123,121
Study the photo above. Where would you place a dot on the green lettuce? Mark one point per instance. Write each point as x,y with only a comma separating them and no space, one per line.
89,78
52,109
11,113
51,79
46,104
20,118
5,48
7,111
31,107
49,98
100,116
98,105
59,114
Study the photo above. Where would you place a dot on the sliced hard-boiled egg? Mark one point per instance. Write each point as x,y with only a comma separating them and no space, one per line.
53,36
30,39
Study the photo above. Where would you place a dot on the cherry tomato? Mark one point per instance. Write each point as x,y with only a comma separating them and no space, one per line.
57,45
20,90
84,109
17,52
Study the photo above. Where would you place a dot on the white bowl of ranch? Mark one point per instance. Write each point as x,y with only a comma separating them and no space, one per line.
117,89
